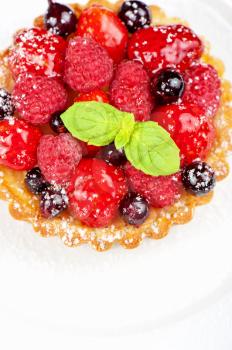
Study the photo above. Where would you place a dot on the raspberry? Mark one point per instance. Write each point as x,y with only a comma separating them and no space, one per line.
193,133
87,65
18,144
95,95
160,191
58,156
173,46
37,51
203,88
95,192
36,98
130,90
104,26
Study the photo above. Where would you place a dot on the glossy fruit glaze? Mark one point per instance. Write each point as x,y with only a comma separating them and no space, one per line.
24,206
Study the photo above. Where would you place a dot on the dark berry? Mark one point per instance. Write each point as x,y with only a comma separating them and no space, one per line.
135,14
113,156
167,86
60,19
35,181
53,201
134,209
198,178
6,105
56,123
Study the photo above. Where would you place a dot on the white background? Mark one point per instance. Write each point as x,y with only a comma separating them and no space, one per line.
171,294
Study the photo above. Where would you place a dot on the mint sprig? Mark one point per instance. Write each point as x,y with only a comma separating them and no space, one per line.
147,145
93,122
152,150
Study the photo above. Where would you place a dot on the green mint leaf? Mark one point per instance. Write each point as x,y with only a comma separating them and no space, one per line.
152,150
93,122
126,130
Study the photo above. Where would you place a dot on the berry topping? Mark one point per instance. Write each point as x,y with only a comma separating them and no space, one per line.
159,191
35,181
60,19
37,51
18,144
134,209
167,86
36,98
174,46
56,123
135,14
198,178
89,151
95,95
130,90
87,65
53,201
6,104
203,88
113,156
106,28
58,156
95,192
193,133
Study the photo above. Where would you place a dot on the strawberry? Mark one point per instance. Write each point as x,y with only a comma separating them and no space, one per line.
95,192
95,95
174,46
37,51
106,28
192,131
18,144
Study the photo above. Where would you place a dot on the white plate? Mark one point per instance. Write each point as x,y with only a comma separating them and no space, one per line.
120,292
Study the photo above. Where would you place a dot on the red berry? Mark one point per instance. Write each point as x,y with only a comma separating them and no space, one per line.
95,192
89,150
203,88
130,90
159,191
95,95
106,28
173,46
58,156
18,144
37,51
36,98
193,133
87,65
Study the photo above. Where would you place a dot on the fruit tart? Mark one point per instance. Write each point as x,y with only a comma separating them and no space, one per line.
115,123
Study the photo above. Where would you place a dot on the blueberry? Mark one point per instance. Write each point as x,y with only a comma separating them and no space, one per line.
135,14
53,201
6,105
35,181
113,156
167,86
60,19
56,123
134,209
198,178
